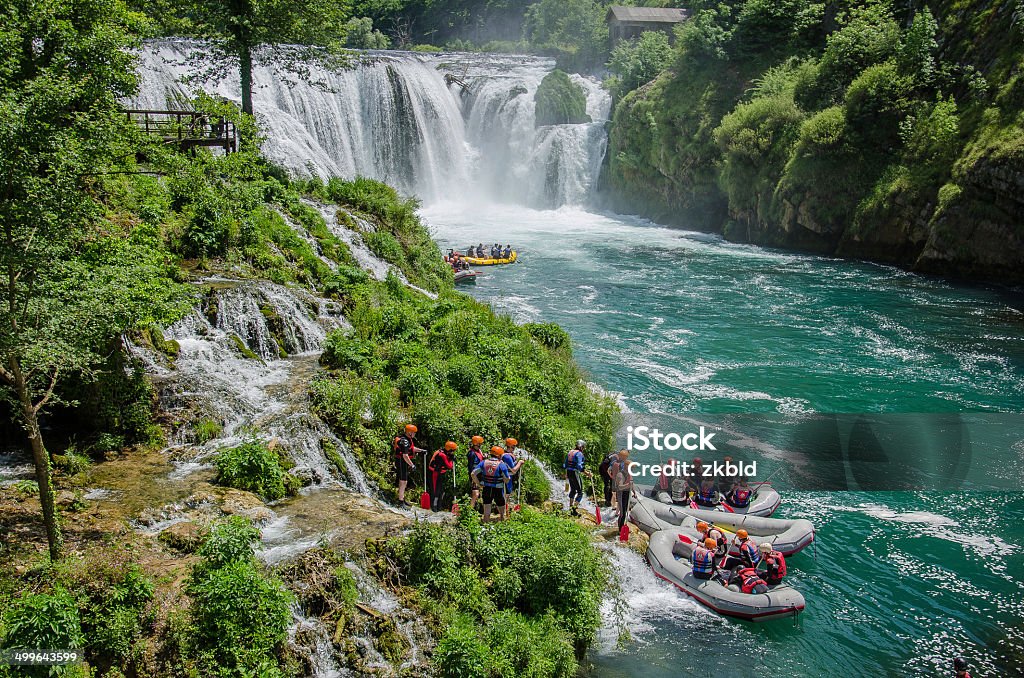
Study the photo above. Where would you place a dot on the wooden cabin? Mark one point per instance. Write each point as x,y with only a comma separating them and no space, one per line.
626,23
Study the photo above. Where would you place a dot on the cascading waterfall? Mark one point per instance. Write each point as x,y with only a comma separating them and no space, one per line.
262,393
392,117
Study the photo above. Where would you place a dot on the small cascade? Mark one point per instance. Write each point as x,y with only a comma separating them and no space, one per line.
393,117
245,364
311,640
639,599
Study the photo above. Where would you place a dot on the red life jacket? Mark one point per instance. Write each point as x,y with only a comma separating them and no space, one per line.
749,579
720,538
440,463
780,567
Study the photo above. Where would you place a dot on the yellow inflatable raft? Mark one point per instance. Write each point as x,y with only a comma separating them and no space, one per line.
477,261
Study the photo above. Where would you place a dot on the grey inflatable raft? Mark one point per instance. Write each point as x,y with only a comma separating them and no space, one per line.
670,560
785,536
763,503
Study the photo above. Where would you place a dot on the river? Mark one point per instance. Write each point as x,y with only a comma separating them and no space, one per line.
676,321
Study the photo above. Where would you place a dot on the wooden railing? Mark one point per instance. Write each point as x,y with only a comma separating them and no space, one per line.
187,129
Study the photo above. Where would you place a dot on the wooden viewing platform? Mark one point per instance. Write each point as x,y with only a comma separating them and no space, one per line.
187,129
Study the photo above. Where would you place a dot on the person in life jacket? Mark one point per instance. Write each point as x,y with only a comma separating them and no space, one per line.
710,532
493,473
514,464
774,562
703,559
664,482
707,493
726,481
622,484
749,555
404,447
750,582
574,466
696,474
680,491
473,458
440,466
741,495
606,476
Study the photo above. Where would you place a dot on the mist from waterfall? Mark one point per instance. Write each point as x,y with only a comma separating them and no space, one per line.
393,117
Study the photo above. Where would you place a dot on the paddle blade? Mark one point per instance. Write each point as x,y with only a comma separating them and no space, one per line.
597,514
727,507
455,509
516,507
624,532
425,501
686,540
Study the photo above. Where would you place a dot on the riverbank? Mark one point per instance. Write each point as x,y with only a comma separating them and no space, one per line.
319,319
880,135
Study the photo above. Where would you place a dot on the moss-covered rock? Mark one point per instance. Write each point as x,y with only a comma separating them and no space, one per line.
560,101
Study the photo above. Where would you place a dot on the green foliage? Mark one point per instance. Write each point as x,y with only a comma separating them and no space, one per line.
550,335
869,36
544,584
253,467
360,34
876,103
206,430
239,614
560,101
43,620
769,29
573,31
637,62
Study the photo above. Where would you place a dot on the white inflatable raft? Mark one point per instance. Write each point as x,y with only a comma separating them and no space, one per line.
786,536
670,560
763,503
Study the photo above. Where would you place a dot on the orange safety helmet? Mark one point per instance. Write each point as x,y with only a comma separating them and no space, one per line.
741,533
702,526
450,445
497,451
478,440
411,428
511,442
710,543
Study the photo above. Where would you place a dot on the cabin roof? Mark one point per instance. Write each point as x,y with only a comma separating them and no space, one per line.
656,15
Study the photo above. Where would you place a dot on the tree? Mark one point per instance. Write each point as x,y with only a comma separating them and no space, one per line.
239,33
68,287
637,62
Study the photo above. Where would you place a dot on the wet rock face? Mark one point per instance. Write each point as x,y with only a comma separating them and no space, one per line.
186,537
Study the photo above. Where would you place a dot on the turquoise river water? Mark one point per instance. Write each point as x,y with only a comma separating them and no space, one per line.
680,322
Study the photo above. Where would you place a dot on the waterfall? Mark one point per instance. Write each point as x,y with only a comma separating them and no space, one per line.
391,116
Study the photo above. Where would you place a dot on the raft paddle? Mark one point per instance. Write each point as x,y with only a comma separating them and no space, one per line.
597,506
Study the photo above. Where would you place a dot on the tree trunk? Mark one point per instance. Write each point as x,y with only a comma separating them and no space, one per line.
245,73
42,462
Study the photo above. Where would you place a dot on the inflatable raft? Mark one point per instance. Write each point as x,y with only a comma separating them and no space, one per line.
763,503
487,261
786,536
670,560
465,277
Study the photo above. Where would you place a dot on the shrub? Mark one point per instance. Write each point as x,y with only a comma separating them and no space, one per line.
206,430
636,62
550,335
345,352
340,403
43,620
460,653
876,103
253,467
535,486
560,101
231,540
240,615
